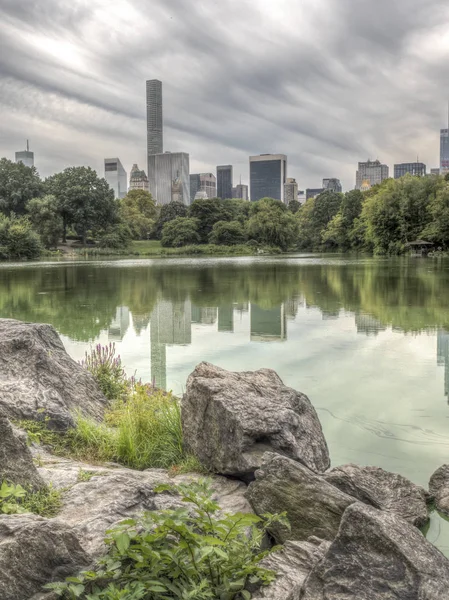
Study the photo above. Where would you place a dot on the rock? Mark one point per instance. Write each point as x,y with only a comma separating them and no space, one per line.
35,551
378,556
292,565
439,488
38,378
383,490
16,462
314,507
231,419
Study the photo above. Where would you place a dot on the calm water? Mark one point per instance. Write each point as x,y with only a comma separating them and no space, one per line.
367,340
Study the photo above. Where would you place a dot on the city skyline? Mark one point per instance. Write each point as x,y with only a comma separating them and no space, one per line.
327,109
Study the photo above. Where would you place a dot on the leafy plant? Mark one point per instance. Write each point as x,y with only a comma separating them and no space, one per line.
108,371
14,499
189,553
10,496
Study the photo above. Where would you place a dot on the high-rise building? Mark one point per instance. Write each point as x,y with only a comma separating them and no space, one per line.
444,150
25,156
268,175
435,171
372,171
164,171
416,168
224,182
138,179
203,182
290,190
155,132
313,192
240,191
332,185
115,175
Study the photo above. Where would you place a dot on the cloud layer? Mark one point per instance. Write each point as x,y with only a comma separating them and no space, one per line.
327,82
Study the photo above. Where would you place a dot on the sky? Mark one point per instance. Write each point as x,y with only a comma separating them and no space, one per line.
327,82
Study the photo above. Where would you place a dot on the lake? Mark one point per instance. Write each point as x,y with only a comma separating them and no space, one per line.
366,339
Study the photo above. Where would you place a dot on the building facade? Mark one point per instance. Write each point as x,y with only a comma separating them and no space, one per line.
224,181
313,192
416,168
138,179
115,175
435,171
206,183
164,171
371,170
240,191
155,132
332,185
25,156
268,175
444,150
290,191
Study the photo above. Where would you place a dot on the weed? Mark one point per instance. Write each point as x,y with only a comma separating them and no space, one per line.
107,370
10,497
14,499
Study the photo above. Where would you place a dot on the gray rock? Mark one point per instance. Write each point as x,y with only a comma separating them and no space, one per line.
439,488
314,507
292,565
16,462
231,419
38,378
383,490
35,551
378,556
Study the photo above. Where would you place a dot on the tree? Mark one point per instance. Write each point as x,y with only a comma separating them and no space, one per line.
18,185
314,217
46,220
17,238
227,233
294,206
208,212
168,213
138,212
272,224
181,231
85,201
438,229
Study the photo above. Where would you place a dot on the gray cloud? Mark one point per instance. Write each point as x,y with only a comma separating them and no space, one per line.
328,82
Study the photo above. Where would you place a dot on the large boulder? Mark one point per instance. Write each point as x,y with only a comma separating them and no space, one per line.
378,556
314,507
439,488
16,462
231,419
38,379
383,490
35,551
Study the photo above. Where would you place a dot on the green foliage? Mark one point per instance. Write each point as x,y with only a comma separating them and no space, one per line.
10,497
208,212
315,216
117,237
438,229
17,238
18,185
181,231
168,213
271,224
138,212
190,553
14,499
294,206
107,371
46,220
227,233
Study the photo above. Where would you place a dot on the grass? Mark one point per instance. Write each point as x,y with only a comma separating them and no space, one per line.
46,503
154,248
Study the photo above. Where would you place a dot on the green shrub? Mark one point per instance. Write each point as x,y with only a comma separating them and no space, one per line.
107,370
186,553
227,233
182,231
17,238
116,237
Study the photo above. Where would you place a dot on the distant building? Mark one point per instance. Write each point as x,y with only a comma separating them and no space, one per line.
444,150
332,185
240,191
155,133
301,196
268,175
200,195
366,185
203,182
416,168
373,171
313,192
435,171
290,190
224,181
25,156
166,169
176,189
115,175
138,179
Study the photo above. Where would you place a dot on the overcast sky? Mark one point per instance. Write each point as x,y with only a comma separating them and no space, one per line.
327,82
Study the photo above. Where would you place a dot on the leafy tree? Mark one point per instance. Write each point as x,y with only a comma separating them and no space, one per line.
272,224
17,238
208,212
18,185
117,237
138,212
294,206
85,201
182,231
314,217
169,212
438,229
227,233
46,220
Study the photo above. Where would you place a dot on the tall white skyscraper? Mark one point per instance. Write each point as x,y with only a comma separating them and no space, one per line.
115,175
155,127
25,156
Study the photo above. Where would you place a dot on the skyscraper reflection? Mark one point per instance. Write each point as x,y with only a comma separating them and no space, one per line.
443,356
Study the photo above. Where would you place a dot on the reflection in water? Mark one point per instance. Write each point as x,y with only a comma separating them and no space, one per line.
119,324
443,357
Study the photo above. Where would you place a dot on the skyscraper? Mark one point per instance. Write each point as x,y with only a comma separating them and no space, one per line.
290,191
115,175
444,150
416,168
224,182
240,191
268,174
155,135
332,185
25,156
372,171
203,182
138,179
164,171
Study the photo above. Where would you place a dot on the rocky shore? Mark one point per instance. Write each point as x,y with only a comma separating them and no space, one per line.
355,530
